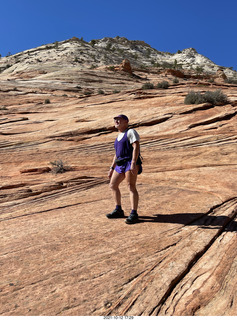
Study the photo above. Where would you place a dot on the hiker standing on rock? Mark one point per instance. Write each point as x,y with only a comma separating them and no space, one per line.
126,165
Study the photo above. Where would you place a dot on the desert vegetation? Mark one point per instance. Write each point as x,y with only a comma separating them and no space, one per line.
163,84
215,97
148,85
58,166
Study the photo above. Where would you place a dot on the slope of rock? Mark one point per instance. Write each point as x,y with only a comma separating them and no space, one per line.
78,54
60,255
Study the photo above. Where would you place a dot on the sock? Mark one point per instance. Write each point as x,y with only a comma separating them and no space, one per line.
134,212
118,207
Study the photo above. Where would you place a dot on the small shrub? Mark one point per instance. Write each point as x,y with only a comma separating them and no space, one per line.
111,68
199,70
167,65
193,98
156,64
101,91
231,81
46,101
58,166
215,97
108,46
92,42
176,80
163,85
148,85
88,92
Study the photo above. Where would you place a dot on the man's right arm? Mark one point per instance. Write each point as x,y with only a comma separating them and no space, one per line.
111,169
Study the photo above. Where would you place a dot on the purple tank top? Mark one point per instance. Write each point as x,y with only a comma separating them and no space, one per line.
123,148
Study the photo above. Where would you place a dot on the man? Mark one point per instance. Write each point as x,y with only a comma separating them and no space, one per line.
126,165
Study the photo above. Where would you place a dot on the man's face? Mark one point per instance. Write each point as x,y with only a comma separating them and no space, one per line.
120,124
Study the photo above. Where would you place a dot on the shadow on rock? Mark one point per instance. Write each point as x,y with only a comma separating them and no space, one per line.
198,219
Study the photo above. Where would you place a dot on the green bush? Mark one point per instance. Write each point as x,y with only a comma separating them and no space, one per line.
176,80
148,85
215,97
163,85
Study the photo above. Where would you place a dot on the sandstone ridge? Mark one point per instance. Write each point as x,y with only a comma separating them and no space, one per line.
60,255
77,54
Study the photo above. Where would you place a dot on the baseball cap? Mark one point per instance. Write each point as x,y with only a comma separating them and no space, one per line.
122,116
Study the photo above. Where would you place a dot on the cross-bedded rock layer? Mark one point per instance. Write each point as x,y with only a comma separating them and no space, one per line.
59,253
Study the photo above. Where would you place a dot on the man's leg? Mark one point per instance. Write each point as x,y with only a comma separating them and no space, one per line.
115,181
131,179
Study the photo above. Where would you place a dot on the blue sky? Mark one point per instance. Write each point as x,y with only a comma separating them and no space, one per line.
209,26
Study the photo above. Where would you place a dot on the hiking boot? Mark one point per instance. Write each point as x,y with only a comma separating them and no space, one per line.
133,218
115,214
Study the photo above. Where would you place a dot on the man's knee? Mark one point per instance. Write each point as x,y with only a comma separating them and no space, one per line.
132,187
113,186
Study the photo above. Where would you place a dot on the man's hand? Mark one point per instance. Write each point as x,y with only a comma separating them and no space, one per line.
110,172
133,167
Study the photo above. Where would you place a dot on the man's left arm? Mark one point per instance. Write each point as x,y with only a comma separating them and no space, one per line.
135,154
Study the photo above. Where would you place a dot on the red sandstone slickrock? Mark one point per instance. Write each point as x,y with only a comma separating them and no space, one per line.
60,255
